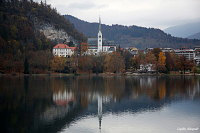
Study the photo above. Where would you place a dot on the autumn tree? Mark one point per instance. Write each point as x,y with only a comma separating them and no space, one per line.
73,64
98,63
161,62
171,59
83,48
194,70
127,58
85,63
138,60
156,52
39,61
150,58
135,62
184,64
114,62
58,64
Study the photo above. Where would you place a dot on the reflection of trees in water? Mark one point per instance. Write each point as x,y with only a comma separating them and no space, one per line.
162,87
25,101
88,89
182,86
22,98
118,87
114,87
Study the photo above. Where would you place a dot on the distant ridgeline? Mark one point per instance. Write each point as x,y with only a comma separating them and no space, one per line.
28,31
139,37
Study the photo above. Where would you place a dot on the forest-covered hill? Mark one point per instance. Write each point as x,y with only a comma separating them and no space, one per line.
139,37
28,31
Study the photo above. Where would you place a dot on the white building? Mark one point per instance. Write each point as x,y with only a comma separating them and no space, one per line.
99,44
197,55
164,50
188,53
63,50
146,68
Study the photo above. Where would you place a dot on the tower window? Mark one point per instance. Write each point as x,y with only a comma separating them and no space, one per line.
99,36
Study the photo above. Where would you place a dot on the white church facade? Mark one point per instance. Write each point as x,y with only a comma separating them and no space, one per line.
99,44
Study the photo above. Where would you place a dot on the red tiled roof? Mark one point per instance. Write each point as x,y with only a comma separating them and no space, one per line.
61,46
64,46
72,48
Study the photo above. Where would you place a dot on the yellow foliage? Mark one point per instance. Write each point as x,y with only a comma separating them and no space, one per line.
58,63
114,62
162,59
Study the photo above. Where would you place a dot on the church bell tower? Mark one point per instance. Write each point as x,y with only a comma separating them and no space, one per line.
100,38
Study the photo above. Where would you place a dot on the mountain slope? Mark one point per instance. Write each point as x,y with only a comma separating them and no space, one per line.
139,37
28,31
184,30
194,36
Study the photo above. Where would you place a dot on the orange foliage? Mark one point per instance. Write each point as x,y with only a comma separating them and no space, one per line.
161,62
114,62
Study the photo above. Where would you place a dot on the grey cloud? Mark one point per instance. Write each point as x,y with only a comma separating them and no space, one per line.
84,5
148,13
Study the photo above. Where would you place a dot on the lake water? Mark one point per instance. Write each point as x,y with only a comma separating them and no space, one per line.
140,104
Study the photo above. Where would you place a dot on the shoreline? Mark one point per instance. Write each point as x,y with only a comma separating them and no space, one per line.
93,74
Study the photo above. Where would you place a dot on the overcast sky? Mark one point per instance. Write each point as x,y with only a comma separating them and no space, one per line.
148,13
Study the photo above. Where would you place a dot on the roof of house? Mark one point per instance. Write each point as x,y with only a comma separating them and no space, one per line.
72,48
64,46
184,50
61,46
133,49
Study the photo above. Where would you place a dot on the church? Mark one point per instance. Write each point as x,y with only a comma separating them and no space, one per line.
100,45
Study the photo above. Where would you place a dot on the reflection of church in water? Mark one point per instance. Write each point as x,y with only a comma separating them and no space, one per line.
63,99
100,110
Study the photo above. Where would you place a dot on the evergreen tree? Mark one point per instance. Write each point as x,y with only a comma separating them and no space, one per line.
26,66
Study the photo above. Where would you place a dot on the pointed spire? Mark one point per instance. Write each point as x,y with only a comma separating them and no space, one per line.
99,23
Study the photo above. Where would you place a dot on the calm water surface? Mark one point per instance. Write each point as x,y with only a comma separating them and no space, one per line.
100,104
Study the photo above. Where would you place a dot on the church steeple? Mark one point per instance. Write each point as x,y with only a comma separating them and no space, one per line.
100,38
99,24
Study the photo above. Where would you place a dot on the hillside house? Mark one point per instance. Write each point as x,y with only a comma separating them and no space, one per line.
63,50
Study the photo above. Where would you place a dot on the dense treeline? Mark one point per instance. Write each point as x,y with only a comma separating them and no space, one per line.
22,47
122,61
113,62
136,36
163,62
